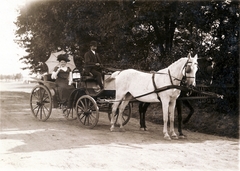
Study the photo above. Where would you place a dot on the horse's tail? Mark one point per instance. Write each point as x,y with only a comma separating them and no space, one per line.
113,76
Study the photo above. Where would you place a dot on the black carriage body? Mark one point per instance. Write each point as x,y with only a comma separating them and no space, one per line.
85,101
87,85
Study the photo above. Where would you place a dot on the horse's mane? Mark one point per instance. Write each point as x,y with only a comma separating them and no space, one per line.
173,64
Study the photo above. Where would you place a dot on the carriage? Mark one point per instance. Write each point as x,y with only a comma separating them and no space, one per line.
86,101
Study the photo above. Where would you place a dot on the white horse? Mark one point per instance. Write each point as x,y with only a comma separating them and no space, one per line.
133,84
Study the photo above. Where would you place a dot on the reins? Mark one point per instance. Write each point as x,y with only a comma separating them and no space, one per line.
182,88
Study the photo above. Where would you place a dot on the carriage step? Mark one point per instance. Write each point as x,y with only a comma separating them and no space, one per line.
103,100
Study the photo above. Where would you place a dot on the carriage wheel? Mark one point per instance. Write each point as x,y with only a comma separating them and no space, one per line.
70,114
41,102
87,111
125,116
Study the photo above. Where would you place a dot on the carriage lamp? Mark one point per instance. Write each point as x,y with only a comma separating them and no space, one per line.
76,76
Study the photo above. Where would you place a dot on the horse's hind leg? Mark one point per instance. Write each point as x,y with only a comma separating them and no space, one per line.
188,104
179,111
142,113
113,119
121,109
140,109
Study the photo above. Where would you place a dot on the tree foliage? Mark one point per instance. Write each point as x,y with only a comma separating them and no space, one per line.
139,34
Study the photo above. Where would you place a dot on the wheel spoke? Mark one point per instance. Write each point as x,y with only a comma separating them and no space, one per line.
80,108
87,111
37,111
35,107
36,95
123,118
85,120
92,116
83,105
41,112
45,108
41,102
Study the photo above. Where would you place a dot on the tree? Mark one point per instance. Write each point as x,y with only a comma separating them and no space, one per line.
146,35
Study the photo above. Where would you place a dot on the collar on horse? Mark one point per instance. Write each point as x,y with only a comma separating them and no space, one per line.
157,90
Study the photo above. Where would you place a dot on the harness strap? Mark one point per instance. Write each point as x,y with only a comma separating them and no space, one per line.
170,77
155,87
157,90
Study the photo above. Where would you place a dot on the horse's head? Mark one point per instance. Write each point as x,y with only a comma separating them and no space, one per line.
190,69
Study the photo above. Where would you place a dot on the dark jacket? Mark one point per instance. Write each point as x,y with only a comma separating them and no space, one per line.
90,61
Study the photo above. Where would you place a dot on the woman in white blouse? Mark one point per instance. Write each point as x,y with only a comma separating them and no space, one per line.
61,74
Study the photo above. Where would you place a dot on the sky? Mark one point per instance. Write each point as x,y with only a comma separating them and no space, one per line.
10,51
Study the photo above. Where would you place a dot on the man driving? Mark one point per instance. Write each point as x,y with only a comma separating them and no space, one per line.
93,63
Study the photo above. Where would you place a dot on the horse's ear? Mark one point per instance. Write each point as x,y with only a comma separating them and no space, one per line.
189,56
196,56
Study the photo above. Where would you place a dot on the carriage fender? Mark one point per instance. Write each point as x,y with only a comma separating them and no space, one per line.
77,93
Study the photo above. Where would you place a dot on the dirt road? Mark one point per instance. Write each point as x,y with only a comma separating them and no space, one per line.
58,144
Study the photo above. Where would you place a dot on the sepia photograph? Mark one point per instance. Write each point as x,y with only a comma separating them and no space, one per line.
123,85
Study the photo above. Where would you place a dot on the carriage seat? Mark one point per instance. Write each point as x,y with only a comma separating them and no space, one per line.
87,76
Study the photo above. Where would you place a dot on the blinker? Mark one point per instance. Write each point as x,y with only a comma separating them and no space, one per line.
188,69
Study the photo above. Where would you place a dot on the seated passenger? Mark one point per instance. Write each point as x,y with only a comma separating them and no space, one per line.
93,63
61,74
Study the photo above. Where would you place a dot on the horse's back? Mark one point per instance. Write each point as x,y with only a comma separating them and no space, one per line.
134,82
132,75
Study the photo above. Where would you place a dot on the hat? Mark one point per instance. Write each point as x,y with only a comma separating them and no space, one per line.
93,43
63,57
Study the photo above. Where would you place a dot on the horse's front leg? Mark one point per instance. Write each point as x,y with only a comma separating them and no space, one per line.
171,109
165,104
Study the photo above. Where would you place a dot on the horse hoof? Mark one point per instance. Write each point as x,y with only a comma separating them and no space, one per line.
167,138
145,129
142,129
182,137
175,137
121,130
112,129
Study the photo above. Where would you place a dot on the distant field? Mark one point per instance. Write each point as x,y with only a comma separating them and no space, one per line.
16,86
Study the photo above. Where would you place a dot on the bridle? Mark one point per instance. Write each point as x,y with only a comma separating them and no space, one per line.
186,69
